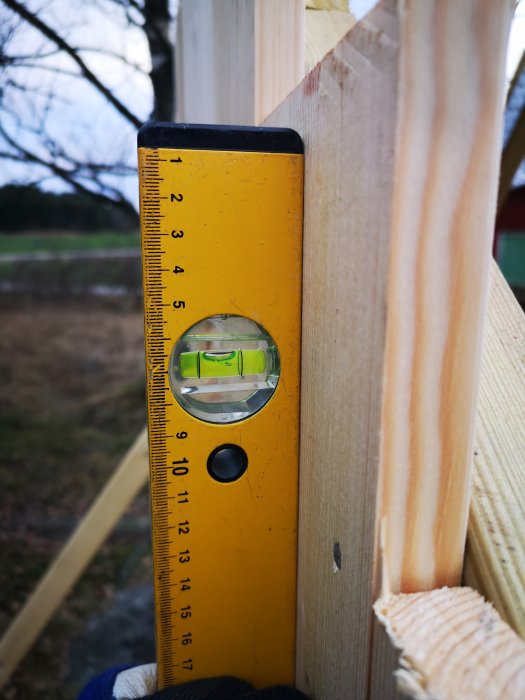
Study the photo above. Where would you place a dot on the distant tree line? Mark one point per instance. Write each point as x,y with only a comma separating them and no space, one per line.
26,208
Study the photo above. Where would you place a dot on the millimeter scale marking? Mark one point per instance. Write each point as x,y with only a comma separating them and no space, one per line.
221,221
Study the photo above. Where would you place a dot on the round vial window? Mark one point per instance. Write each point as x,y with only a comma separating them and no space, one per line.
224,369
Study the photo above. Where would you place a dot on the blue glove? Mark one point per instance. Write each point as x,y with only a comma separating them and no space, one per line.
139,683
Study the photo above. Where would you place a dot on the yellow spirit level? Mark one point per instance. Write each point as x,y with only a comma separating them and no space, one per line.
221,220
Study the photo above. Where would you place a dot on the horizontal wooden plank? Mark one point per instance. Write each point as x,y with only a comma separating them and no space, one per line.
454,645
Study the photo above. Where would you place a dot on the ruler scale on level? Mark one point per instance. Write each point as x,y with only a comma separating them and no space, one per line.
221,220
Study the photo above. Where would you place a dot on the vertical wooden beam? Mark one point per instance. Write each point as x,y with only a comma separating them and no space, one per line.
451,93
215,61
279,52
402,124
345,111
237,59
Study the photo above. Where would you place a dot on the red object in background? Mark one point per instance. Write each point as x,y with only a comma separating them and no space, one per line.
511,218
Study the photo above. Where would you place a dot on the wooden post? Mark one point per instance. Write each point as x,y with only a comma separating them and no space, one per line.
448,146
345,111
402,149
237,59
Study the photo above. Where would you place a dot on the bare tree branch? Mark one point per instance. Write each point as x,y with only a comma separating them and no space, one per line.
132,5
50,34
49,69
38,117
69,176
33,56
29,60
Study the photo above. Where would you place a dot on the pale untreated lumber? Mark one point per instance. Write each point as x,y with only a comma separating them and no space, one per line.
341,5
454,646
495,555
449,122
402,135
226,57
323,29
348,189
75,555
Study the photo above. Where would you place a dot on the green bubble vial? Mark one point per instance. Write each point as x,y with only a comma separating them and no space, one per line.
224,369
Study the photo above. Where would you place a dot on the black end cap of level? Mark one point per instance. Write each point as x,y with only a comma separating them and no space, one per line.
259,139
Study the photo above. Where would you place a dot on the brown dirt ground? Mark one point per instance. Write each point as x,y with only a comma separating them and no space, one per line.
71,402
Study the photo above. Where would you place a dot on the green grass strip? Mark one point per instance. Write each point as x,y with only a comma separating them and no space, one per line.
51,242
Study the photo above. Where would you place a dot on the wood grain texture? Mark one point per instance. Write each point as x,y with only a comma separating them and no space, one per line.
227,53
349,156
279,52
447,154
84,543
215,62
454,646
401,163
495,556
323,29
383,665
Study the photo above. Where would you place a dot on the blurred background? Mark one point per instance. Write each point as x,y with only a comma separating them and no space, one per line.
77,79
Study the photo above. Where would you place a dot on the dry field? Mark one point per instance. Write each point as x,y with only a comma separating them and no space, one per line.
71,402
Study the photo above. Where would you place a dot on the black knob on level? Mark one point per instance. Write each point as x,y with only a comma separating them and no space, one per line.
227,463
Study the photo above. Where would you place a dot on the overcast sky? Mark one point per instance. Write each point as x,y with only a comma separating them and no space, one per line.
81,116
